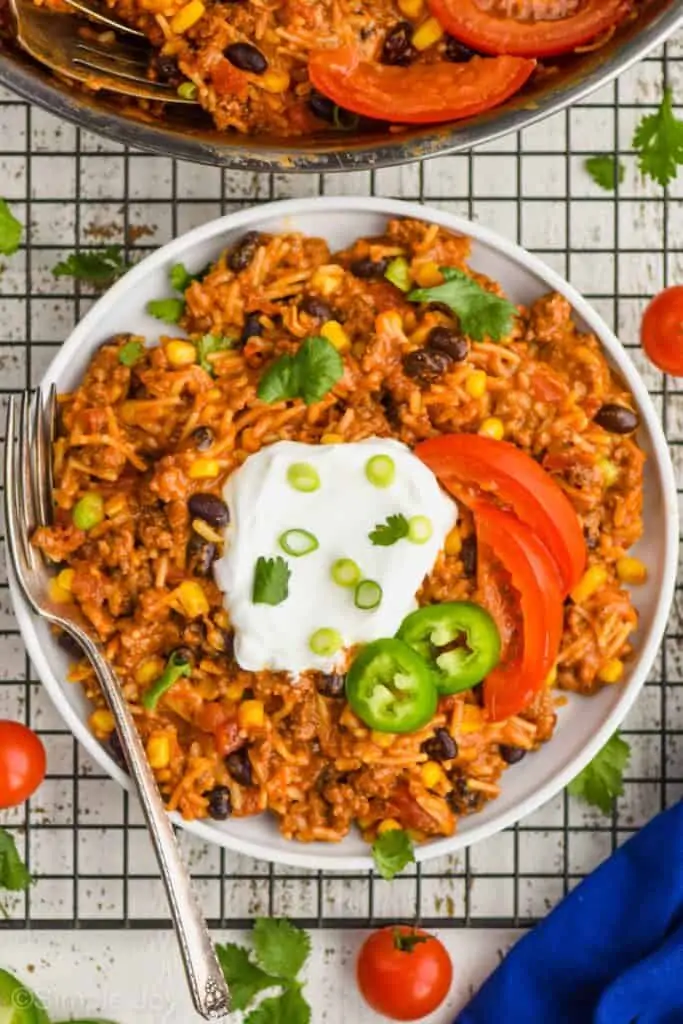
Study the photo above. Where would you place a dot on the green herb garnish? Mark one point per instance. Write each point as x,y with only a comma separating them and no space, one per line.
168,310
309,374
99,269
392,851
605,170
14,875
211,343
10,230
271,580
481,313
394,529
131,353
658,142
601,781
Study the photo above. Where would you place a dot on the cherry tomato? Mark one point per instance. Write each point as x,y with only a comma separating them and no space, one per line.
467,464
22,763
403,973
661,332
420,94
493,31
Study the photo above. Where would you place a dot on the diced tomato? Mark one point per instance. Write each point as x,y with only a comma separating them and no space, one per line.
228,80
210,716
467,464
420,94
491,32
228,738
512,685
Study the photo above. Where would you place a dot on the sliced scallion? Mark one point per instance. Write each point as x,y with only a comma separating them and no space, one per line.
298,542
368,595
380,470
398,273
187,91
345,572
325,642
302,476
419,529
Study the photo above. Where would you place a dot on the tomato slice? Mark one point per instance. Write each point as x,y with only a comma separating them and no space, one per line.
512,685
467,464
489,32
661,332
420,94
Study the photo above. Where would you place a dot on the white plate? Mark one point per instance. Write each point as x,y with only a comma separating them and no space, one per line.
584,724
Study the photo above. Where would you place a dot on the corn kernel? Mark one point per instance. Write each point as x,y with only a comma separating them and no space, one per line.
610,472
327,279
429,32
159,751
181,353
551,678
187,16
472,719
453,544
251,714
631,570
57,593
333,331
234,691
611,671
213,395
592,580
411,8
476,383
382,739
427,274
201,527
274,80
432,774
149,670
203,468
66,579
102,722
388,825
331,439
492,427
192,599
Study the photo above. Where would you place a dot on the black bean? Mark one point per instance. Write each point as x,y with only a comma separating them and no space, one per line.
202,438
368,269
182,656
253,328
468,554
210,508
166,67
425,365
511,755
331,685
239,766
201,555
316,307
448,341
398,45
441,746
617,419
246,57
68,644
322,106
456,52
220,804
392,410
243,252
462,799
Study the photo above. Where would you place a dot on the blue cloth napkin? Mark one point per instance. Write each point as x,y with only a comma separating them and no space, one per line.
610,953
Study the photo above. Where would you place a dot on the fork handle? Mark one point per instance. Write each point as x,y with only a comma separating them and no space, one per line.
204,975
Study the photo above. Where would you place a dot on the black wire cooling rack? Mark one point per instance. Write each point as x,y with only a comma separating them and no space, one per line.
83,838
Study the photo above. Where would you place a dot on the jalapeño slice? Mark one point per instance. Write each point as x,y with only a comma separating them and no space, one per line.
459,639
391,688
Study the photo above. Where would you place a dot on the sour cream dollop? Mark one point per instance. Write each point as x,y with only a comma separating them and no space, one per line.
340,514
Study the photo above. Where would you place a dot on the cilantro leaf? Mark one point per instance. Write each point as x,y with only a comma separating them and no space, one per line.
280,946
658,142
601,781
131,353
392,851
289,1008
211,343
271,581
14,874
180,277
605,170
386,534
168,310
245,979
309,374
481,313
98,269
10,230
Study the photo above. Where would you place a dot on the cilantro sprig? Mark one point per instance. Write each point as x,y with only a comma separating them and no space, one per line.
605,170
167,310
601,781
97,268
309,374
392,851
658,142
14,875
271,581
209,344
481,313
10,230
280,951
388,533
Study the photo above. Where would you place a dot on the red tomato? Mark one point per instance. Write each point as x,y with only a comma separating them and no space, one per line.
421,94
210,716
22,763
512,685
491,32
467,464
228,738
661,332
403,973
229,80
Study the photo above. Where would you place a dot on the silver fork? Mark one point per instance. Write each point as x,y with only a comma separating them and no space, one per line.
28,504
54,39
